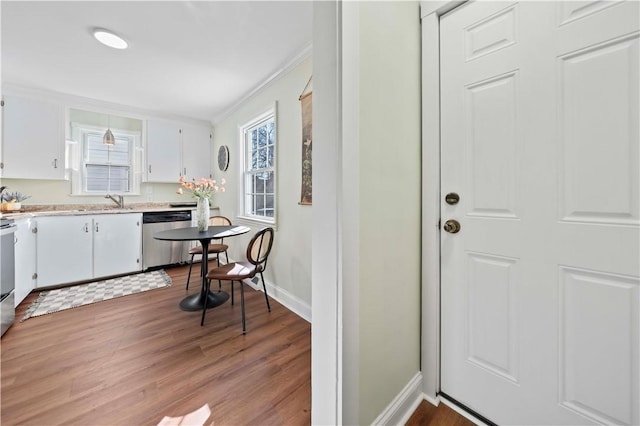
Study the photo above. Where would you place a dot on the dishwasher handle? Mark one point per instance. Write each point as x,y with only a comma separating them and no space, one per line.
166,216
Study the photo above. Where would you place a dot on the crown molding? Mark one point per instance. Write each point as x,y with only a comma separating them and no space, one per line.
282,71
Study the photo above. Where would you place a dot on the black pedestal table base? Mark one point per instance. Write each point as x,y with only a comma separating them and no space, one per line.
194,301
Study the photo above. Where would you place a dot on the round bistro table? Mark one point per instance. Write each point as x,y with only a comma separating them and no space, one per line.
196,302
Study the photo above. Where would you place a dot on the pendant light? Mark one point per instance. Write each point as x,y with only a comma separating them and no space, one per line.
108,138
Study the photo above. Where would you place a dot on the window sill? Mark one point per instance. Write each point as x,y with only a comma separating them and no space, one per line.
252,221
124,194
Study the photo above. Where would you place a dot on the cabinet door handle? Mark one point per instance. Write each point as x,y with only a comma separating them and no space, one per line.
149,168
15,240
185,171
55,163
86,227
97,227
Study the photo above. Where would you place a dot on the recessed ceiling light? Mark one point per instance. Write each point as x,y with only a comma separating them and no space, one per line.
108,38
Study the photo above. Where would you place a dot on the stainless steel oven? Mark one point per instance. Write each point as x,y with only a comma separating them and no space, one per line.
7,273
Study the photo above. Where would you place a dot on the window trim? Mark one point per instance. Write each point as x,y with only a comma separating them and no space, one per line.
270,112
77,156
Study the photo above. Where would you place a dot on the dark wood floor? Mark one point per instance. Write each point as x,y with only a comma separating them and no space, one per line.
135,359
429,415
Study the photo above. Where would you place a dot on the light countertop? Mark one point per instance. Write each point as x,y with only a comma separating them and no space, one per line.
89,209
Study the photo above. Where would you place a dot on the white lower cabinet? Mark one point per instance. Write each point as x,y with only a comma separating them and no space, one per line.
77,248
117,244
64,249
25,258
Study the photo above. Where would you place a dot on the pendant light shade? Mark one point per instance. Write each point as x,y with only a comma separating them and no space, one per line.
108,138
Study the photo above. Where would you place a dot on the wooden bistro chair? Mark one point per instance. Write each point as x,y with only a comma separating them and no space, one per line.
216,247
257,254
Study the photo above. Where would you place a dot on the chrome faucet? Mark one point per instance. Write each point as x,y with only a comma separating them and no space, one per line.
119,201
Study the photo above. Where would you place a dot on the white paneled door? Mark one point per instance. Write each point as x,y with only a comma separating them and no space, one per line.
540,286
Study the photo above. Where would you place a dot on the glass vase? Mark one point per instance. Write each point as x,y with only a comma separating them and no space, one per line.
202,214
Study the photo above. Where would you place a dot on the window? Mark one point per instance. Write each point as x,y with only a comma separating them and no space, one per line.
103,169
106,168
259,168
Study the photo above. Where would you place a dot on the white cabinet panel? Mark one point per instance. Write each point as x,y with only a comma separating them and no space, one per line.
25,261
177,149
117,244
64,249
77,248
33,139
196,151
164,152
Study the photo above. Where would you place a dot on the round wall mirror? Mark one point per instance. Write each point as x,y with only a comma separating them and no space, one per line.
223,158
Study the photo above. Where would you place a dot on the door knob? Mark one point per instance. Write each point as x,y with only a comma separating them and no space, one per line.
451,226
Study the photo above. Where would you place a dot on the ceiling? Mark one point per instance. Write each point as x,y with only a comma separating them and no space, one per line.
194,59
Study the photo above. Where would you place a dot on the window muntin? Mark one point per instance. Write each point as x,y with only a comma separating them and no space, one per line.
259,176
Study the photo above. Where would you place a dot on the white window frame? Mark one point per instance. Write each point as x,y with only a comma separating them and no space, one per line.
77,156
245,150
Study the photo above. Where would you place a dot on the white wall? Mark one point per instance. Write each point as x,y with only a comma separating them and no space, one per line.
389,196
326,337
289,268
376,175
58,192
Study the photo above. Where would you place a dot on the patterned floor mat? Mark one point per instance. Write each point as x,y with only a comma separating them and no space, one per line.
85,294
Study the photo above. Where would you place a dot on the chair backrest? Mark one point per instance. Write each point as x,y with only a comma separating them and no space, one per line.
260,246
219,221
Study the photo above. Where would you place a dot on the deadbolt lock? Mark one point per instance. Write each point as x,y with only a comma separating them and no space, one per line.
452,198
451,226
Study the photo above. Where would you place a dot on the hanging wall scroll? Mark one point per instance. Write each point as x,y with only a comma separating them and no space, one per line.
306,105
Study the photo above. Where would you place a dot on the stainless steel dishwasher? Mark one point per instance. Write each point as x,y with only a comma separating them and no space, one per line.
160,253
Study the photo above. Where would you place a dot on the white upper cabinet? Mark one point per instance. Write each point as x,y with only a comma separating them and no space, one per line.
196,151
177,149
164,151
33,139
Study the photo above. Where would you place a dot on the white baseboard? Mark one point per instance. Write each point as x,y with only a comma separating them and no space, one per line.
288,300
291,302
433,401
403,405
407,401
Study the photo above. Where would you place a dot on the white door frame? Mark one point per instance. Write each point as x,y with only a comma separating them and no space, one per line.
430,12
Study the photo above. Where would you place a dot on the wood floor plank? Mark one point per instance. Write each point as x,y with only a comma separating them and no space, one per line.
135,359
430,415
